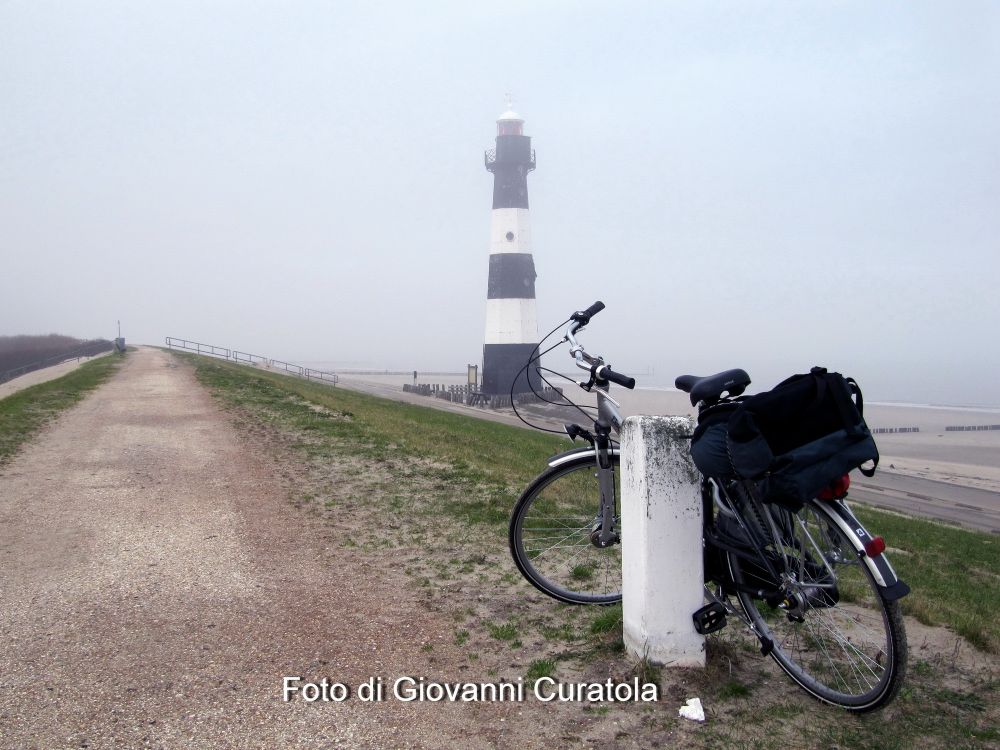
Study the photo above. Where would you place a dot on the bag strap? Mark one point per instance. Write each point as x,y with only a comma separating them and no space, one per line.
856,390
860,403
848,408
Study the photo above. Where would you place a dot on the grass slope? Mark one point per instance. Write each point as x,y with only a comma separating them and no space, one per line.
25,412
433,490
954,574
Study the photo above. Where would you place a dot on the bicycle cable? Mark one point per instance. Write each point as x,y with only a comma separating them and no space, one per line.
566,401
534,358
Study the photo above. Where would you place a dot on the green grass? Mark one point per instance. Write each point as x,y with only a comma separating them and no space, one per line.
507,631
24,413
607,620
734,689
539,668
954,574
482,465
561,632
469,445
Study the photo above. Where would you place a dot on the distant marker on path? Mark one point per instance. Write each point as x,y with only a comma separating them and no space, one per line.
511,321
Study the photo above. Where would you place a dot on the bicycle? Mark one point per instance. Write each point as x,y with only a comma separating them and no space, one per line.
813,585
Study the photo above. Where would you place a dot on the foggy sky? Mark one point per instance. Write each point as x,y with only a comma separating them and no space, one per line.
762,185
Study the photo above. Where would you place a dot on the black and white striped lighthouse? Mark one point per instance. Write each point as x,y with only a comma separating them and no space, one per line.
511,324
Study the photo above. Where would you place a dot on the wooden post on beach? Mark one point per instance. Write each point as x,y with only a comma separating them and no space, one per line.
662,566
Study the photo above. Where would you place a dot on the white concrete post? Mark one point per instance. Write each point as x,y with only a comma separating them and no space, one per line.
662,566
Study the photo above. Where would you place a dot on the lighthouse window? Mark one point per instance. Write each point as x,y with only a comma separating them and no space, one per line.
509,127
510,236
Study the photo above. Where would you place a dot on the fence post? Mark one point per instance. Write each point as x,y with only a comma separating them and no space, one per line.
662,566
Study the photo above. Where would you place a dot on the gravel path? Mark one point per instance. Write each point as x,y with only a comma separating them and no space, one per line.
156,586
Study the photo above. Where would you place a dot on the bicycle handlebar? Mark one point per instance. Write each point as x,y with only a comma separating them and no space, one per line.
616,377
600,371
583,316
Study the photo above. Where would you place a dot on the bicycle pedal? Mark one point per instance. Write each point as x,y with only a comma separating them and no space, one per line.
709,618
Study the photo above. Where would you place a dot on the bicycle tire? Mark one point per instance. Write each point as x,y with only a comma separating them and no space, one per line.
550,530
849,647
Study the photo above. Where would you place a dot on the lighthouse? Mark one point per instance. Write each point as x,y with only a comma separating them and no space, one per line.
511,324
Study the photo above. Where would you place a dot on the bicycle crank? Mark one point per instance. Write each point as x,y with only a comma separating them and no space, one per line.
720,600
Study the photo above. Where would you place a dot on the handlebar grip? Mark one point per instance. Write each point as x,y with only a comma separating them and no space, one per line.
583,316
617,377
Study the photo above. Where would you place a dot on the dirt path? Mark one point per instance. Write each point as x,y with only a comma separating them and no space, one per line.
157,586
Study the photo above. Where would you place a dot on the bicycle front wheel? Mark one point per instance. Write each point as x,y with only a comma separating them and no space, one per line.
554,532
835,634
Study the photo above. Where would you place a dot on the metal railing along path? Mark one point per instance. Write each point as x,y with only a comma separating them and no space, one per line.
195,346
277,364
250,359
326,377
253,360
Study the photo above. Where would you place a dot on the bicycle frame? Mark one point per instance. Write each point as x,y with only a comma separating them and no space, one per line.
609,419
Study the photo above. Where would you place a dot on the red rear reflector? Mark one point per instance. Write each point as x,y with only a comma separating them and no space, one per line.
837,489
875,547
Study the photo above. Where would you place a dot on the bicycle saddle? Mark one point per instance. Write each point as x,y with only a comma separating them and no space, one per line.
711,387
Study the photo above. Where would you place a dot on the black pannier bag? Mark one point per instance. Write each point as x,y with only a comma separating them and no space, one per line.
800,436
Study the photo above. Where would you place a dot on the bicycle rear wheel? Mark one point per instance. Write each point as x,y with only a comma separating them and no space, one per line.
551,530
836,634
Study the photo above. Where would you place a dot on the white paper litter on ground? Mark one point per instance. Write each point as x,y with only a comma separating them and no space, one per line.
693,710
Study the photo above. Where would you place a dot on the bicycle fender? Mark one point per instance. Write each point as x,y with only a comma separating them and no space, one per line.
879,565
561,458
